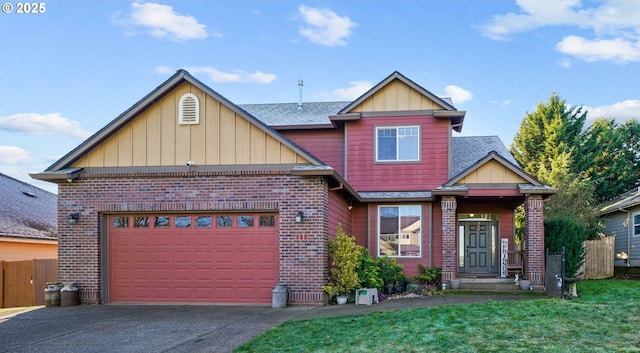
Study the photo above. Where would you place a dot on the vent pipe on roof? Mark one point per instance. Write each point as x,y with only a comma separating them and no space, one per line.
300,94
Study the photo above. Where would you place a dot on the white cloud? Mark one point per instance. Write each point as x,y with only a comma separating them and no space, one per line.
43,124
164,70
458,94
621,111
234,76
163,22
355,90
325,27
615,25
617,50
14,156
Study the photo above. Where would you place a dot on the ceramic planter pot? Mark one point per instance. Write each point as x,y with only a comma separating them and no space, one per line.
525,284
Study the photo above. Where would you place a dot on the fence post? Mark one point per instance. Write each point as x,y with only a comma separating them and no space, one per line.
562,274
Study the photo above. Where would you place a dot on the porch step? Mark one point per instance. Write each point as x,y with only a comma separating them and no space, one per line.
504,285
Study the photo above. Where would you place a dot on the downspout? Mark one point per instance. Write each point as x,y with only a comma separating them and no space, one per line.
628,234
430,230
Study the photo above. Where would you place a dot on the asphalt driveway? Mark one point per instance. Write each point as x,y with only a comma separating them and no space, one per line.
173,328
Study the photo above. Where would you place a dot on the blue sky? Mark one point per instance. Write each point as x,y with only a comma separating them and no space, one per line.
70,67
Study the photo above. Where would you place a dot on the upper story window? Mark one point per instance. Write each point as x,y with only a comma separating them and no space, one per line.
397,143
189,109
636,224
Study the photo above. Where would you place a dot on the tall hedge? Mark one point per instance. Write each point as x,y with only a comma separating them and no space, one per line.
571,234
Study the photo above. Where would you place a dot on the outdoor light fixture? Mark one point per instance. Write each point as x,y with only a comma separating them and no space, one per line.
73,218
299,217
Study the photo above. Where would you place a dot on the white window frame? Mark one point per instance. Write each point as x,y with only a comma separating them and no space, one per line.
397,128
635,234
402,237
181,119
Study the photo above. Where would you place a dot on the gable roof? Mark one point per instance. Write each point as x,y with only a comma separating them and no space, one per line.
629,199
448,111
27,211
467,150
174,81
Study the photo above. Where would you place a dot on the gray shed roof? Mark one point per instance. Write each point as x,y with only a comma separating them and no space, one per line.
468,150
27,211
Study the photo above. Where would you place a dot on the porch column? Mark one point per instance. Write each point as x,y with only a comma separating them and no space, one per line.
534,240
449,263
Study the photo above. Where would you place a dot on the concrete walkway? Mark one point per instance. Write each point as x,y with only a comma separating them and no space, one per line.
175,328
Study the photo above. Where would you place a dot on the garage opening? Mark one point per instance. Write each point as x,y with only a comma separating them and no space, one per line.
192,258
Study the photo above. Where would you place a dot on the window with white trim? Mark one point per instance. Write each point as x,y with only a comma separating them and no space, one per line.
636,225
189,109
400,231
397,143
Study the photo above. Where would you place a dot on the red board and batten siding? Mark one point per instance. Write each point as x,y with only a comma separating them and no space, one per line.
325,144
430,172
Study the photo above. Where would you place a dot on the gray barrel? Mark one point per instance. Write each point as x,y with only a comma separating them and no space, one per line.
279,299
69,295
52,294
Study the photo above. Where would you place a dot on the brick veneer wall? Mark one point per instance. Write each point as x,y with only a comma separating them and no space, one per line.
534,239
303,247
449,228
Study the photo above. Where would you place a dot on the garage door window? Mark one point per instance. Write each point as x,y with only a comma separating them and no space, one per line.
183,221
267,221
120,222
141,222
245,221
224,221
203,221
162,222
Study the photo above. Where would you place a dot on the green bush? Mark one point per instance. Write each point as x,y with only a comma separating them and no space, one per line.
368,271
390,270
571,234
429,275
344,257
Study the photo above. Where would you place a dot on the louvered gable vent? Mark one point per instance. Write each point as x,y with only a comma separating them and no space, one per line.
189,112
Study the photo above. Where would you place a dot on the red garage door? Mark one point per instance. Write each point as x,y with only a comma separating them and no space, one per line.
196,258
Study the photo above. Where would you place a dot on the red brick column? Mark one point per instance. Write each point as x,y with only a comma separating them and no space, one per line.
449,263
534,239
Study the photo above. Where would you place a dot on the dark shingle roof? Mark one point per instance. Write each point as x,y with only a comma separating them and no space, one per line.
629,199
468,150
27,211
287,114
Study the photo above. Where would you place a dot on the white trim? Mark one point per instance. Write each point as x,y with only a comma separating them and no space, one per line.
396,127
634,225
419,236
189,105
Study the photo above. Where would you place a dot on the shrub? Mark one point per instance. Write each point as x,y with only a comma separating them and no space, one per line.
344,257
390,270
368,271
429,275
571,234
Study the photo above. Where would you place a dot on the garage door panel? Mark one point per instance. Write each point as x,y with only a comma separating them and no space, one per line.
204,264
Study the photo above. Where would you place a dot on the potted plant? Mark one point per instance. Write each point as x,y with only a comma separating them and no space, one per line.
344,257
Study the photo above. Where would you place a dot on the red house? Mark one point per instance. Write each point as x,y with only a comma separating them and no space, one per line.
187,197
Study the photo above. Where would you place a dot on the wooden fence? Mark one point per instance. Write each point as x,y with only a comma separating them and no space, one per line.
598,258
22,283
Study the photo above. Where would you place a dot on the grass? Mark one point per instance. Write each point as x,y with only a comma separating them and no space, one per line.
605,318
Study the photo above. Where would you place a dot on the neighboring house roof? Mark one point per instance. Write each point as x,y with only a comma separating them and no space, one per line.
27,211
629,199
287,114
467,150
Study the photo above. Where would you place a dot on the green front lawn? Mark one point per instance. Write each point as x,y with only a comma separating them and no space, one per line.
605,318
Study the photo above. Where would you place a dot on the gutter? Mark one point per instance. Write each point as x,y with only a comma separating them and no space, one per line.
628,234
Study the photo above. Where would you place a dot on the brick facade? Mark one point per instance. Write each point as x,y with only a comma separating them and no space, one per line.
449,228
303,247
534,239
